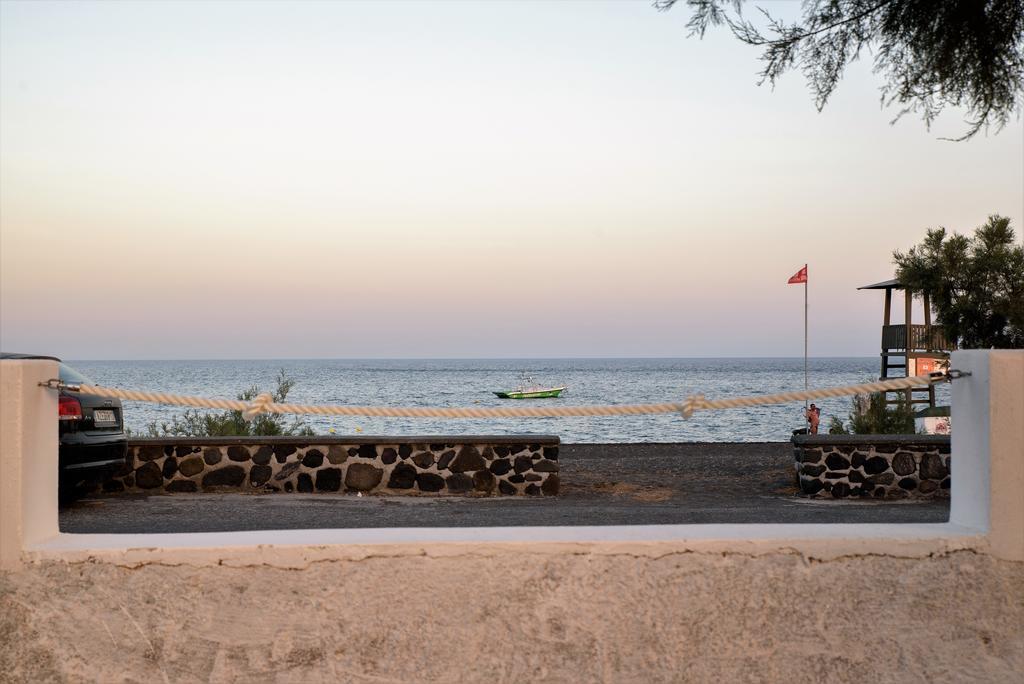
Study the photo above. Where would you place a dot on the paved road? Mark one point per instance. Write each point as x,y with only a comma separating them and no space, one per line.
618,484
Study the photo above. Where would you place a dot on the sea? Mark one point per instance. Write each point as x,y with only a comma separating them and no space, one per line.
471,382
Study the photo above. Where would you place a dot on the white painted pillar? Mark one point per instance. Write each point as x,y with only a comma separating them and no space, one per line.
28,458
988,448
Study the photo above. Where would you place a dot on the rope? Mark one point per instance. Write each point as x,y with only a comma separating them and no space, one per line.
264,403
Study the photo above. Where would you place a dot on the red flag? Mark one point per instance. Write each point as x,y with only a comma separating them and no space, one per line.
800,277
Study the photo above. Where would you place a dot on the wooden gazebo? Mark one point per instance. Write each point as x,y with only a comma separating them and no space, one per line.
910,349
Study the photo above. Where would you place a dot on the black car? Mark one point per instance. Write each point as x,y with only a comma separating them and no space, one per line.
91,431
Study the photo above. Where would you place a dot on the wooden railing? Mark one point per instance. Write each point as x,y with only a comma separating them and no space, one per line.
922,338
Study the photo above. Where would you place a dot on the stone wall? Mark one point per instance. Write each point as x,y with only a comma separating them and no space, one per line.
468,466
879,466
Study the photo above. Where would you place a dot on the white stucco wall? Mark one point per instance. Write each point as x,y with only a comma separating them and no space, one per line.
668,603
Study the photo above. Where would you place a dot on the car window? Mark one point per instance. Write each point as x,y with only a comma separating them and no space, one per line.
70,375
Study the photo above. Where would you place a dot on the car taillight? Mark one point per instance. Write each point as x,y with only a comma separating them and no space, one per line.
69,408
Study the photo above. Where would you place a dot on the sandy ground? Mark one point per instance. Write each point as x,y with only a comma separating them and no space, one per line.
615,484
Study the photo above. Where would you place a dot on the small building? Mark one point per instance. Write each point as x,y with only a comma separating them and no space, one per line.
910,349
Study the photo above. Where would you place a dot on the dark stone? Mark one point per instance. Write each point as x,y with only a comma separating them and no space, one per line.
551,453
534,447
932,468
522,464
239,453
858,459
212,455
228,476
328,479
182,451
550,485
262,455
844,449
283,451
363,476
483,481
840,490
866,489
516,448
353,451
388,456
545,466
314,458
886,448
170,467
855,491
336,455
903,463
506,488
488,453
945,483
810,486
148,476
945,449
533,477
437,447
876,465
516,479
837,462
830,475
908,483
429,482
812,470
880,493
928,486
424,459
809,455
532,490
855,476
501,451
129,480
460,483
469,459
113,486
181,486
304,483
404,451
882,479
288,487
260,475
367,451
287,470
168,450
150,453
445,459
501,466
402,477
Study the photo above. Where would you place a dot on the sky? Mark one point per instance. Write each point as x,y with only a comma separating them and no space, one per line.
346,180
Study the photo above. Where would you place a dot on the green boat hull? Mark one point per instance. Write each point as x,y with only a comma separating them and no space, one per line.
538,394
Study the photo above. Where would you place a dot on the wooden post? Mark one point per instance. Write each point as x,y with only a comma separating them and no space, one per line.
885,324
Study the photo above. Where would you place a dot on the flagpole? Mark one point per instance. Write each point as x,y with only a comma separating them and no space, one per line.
806,278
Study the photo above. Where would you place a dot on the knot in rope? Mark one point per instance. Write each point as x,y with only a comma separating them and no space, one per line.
258,406
691,404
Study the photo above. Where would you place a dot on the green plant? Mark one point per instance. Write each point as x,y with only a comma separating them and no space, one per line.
976,284
870,415
197,423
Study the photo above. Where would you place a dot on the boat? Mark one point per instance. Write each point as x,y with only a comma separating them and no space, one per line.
528,389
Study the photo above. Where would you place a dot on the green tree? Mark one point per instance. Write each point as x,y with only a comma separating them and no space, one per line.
931,54
976,284
196,423
870,415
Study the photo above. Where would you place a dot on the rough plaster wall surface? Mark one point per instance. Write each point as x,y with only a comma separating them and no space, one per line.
535,617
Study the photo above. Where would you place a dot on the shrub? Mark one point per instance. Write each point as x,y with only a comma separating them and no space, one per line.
870,415
198,423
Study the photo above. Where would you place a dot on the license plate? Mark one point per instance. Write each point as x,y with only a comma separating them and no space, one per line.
103,417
